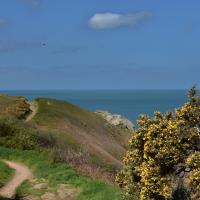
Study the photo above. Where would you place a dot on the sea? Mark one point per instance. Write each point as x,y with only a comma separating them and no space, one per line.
129,103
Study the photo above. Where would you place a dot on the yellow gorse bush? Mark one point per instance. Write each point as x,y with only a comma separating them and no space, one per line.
164,154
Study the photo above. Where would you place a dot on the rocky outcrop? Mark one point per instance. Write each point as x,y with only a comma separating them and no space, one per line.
115,119
43,191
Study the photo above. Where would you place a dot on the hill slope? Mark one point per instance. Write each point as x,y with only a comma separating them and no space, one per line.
83,139
82,130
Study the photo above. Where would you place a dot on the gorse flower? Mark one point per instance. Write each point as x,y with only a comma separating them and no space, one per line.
164,153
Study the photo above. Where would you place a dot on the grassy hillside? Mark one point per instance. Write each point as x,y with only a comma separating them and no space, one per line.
56,174
82,131
73,135
5,173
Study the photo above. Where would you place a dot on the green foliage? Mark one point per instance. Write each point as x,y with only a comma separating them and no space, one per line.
59,173
5,173
164,154
16,134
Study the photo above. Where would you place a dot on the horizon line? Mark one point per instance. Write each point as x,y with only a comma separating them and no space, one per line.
87,89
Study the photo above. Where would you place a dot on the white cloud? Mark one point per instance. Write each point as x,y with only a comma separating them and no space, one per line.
114,20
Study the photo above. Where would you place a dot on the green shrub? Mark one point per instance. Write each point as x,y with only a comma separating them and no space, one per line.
164,155
16,134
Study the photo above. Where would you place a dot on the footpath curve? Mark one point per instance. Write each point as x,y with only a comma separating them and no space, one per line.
22,173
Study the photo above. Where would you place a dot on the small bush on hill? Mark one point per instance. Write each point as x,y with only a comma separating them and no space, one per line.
17,107
163,162
16,134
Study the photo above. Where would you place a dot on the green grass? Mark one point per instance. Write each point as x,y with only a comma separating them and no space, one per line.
60,173
5,173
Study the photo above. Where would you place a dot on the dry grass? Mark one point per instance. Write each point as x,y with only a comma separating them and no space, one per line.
14,106
81,161
82,131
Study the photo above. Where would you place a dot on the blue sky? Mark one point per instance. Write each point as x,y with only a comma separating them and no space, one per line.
99,44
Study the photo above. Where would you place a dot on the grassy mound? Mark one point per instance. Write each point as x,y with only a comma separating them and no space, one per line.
59,173
83,134
76,136
14,106
5,173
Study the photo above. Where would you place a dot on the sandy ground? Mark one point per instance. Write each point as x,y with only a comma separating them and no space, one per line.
22,173
34,108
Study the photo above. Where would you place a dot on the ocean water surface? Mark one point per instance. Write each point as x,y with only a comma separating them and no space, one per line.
129,103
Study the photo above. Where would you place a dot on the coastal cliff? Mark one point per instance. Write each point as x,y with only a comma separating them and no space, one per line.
115,119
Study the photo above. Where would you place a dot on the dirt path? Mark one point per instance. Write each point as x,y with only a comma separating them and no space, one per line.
34,108
22,173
